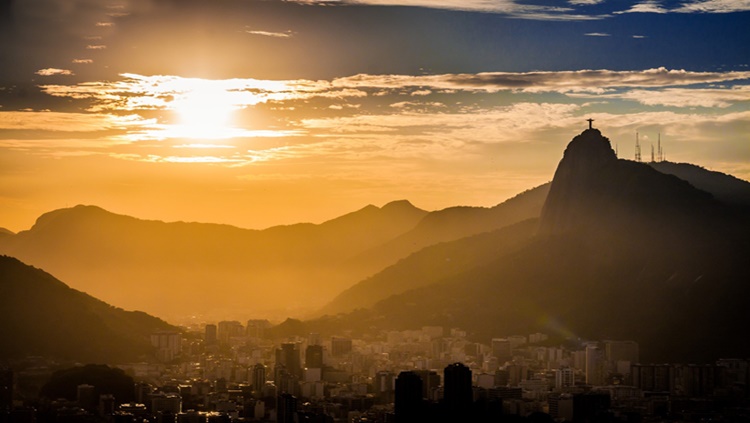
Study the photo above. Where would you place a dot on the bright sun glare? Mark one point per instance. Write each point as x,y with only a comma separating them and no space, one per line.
204,112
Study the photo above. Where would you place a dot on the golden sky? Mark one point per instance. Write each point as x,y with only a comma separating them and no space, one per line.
264,113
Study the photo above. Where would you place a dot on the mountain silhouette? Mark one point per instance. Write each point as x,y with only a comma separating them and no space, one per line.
205,268
725,188
446,225
622,251
39,315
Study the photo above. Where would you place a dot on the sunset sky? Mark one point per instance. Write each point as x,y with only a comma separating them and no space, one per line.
258,113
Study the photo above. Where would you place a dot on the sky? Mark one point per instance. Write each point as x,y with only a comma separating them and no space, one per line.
260,113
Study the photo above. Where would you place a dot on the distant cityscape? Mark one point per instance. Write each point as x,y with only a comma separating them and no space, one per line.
230,372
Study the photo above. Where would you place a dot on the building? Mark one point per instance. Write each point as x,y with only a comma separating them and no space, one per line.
340,346
289,357
652,377
229,329
408,404
286,410
458,392
595,365
211,336
430,382
168,345
256,328
314,356
6,389
259,376
501,349
564,378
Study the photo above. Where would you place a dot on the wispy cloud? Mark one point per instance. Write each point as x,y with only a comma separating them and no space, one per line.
596,34
690,6
685,98
65,122
562,82
54,71
714,6
507,7
648,6
285,34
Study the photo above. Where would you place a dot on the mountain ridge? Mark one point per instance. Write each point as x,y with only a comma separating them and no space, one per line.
40,315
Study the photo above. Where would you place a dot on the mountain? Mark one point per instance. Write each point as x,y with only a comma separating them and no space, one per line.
39,315
451,224
172,269
432,265
623,251
723,187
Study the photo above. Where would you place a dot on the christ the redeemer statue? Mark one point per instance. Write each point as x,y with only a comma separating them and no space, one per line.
590,121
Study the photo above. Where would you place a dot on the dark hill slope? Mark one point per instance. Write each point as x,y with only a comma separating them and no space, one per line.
39,315
726,188
433,264
454,223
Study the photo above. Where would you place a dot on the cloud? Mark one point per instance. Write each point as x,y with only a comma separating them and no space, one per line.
512,8
82,61
54,71
65,122
683,97
694,6
561,82
714,6
596,34
648,6
286,34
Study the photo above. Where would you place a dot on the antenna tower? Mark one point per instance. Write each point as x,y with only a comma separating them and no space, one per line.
637,148
659,152
653,158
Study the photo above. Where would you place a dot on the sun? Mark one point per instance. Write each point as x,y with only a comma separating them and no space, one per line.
204,111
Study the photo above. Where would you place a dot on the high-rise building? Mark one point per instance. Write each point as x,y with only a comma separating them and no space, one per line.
314,356
595,364
211,337
6,389
430,382
289,356
256,328
229,329
652,377
259,376
340,346
168,344
564,378
86,396
384,385
458,393
408,404
286,409
501,349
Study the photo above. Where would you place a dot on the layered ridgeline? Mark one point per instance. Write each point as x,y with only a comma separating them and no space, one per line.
39,315
621,251
176,269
